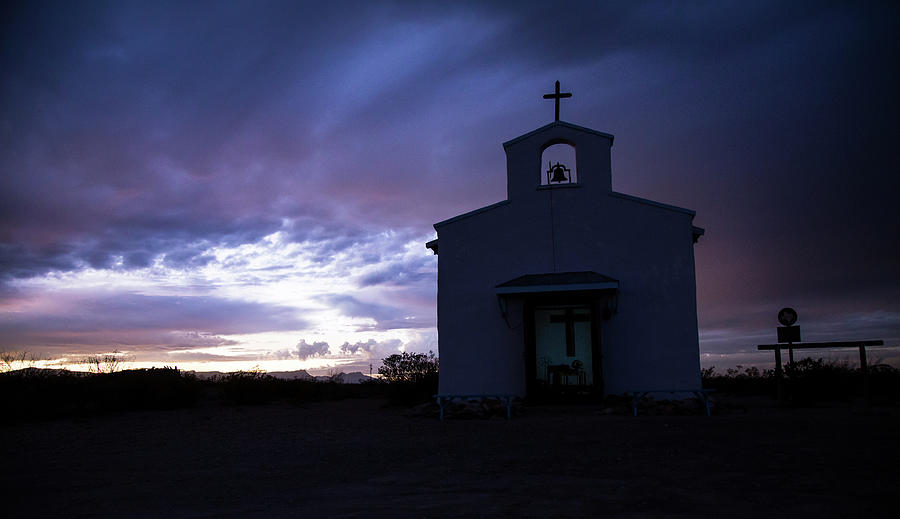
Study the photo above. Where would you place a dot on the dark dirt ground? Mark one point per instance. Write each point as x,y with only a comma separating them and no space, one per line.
359,458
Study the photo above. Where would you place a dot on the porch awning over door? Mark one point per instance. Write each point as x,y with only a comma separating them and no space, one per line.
558,282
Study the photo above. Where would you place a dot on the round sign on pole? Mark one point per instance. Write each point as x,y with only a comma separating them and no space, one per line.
787,316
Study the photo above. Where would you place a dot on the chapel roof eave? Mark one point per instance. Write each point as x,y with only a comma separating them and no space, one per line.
654,203
696,231
554,282
470,213
563,124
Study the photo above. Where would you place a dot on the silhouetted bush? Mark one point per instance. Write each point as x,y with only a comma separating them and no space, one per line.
41,393
409,367
412,377
740,381
808,381
250,387
145,389
34,394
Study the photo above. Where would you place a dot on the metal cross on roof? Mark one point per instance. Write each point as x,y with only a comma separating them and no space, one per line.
556,97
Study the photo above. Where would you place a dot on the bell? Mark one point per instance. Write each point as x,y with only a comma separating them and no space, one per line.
559,173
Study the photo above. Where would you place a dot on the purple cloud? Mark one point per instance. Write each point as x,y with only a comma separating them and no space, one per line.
316,349
141,319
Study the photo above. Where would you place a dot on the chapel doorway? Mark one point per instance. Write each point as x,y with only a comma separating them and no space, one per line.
565,356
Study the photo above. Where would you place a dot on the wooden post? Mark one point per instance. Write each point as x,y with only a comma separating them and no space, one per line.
864,368
791,365
778,370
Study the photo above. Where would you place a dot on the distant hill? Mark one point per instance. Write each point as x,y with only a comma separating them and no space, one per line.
300,374
355,377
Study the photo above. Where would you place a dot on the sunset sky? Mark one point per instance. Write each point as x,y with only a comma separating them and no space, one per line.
220,185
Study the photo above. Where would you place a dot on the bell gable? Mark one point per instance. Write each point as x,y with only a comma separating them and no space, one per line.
526,173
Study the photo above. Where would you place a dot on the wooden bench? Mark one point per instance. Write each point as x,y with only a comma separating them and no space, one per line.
444,399
701,394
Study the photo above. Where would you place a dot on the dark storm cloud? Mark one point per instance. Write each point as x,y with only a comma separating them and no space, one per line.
782,147
134,131
196,356
197,340
411,322
412,311
97,314
353,307
405,272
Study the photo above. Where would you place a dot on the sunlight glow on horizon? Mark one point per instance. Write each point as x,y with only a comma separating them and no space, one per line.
272,272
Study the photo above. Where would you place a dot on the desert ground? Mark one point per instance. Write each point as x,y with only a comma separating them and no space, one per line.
356,458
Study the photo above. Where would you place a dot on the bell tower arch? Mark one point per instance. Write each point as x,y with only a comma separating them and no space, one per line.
559,164
526,167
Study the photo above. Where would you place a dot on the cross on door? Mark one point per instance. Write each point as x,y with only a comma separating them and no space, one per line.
570,318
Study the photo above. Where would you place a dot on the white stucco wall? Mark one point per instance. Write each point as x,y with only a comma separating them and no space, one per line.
650,343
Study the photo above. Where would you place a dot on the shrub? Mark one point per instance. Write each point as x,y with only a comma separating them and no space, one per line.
740,380
250,387
409,367
43,393
106,363
145,389
13,360
809,380
413,377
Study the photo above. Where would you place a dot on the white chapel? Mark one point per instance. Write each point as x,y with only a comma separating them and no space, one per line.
566,283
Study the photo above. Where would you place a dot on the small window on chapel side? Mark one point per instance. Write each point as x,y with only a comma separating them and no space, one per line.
558,165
